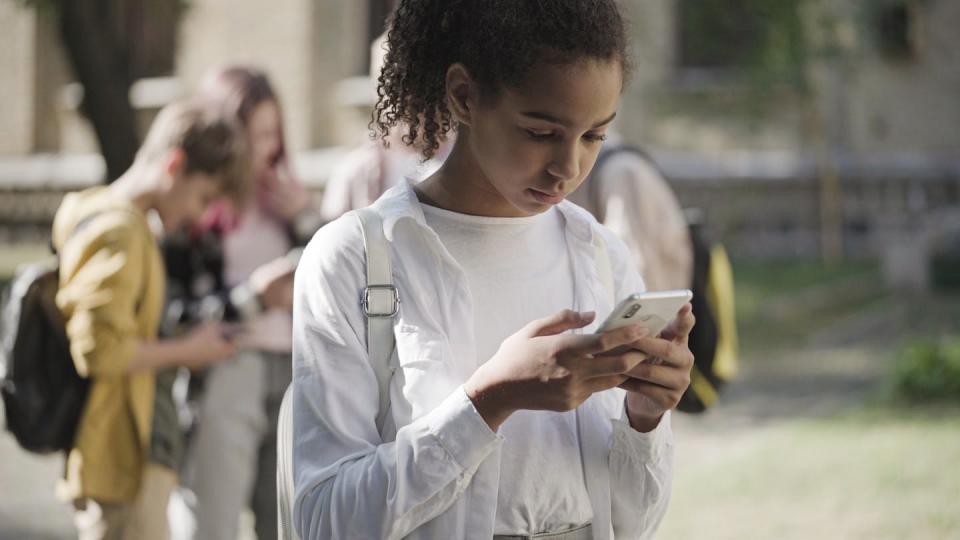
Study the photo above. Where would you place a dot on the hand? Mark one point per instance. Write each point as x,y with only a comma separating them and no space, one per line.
540,368
286,197
273,283
208,344
656,385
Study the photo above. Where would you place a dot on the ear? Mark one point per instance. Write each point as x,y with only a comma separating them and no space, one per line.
462,93
175,162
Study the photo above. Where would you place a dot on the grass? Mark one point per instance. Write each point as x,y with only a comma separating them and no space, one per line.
875,468
873,473
781,303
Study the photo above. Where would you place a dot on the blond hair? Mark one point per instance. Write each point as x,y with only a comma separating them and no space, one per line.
211,143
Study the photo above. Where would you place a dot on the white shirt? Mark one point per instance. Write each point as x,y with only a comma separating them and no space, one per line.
435,472
541,478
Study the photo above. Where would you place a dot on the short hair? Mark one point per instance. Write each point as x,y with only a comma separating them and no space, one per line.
211,143
498,41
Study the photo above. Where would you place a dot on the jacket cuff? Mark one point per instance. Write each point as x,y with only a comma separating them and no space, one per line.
462,432
650,446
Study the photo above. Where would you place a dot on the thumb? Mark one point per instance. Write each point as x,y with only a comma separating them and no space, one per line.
679,328
559,323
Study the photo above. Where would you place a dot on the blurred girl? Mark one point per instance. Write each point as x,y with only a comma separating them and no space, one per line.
241,258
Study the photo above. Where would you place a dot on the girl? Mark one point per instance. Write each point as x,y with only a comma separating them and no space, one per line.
241,255
506,417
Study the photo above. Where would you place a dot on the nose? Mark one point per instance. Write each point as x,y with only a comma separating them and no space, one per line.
565,165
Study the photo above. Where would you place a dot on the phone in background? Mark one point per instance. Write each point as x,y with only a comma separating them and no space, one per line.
653,310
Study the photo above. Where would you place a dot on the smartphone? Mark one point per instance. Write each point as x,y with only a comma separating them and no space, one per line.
654,310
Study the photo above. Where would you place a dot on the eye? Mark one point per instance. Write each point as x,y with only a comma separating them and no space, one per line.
595,137
539,134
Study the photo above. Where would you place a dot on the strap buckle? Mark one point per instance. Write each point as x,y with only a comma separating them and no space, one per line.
393,298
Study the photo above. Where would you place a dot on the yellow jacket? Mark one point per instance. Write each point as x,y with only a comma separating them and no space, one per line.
111,295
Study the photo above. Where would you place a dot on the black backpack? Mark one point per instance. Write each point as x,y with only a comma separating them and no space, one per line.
43,395
707,376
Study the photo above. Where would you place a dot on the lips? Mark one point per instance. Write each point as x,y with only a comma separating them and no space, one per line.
546,197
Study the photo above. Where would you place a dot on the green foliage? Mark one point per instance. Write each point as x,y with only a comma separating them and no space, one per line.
761,40
945,270
929,371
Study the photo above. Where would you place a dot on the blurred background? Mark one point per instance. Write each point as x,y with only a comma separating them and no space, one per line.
820,139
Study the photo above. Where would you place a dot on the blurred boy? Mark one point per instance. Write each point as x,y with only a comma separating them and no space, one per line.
119,473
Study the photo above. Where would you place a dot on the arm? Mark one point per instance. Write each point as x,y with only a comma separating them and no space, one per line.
641,452
100,286
343,470
641,477
202,346
100,292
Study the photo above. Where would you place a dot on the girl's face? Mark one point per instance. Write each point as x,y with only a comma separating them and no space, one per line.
535,143
264,133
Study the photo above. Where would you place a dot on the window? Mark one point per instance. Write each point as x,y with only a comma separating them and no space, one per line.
894,29
717,34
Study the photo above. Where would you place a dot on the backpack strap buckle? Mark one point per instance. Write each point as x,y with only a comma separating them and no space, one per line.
380,301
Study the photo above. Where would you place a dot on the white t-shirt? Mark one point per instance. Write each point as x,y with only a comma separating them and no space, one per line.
518,270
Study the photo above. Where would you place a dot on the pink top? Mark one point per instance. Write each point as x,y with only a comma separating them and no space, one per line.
256,240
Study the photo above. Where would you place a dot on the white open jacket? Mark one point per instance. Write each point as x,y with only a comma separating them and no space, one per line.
435,471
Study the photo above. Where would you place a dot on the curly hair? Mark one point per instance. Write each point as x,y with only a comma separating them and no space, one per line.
498,41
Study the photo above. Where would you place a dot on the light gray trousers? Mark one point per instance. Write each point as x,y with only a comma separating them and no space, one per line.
232,461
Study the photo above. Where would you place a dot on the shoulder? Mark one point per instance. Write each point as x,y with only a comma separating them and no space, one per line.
335,251
633,162
94,218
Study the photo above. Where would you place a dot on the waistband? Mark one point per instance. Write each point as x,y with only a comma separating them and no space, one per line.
584,532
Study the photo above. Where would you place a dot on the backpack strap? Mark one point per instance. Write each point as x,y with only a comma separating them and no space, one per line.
285,479
604,270
381,303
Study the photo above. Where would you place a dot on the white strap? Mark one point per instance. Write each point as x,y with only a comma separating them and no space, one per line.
592,438
380,302
285,488
604,271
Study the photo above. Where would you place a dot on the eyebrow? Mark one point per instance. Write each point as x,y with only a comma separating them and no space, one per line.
547,118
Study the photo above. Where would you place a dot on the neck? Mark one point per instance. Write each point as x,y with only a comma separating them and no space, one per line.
461,186
139,186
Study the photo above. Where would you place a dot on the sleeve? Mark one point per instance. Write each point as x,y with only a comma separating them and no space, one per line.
101,278
643,211
641,476
349,483
641,464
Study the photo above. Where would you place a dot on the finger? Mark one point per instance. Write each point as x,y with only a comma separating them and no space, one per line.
599,384
558,323
671,352
664,375
604,366
597,344
663,398
680,327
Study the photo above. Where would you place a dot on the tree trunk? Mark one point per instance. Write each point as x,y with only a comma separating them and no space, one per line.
96,56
